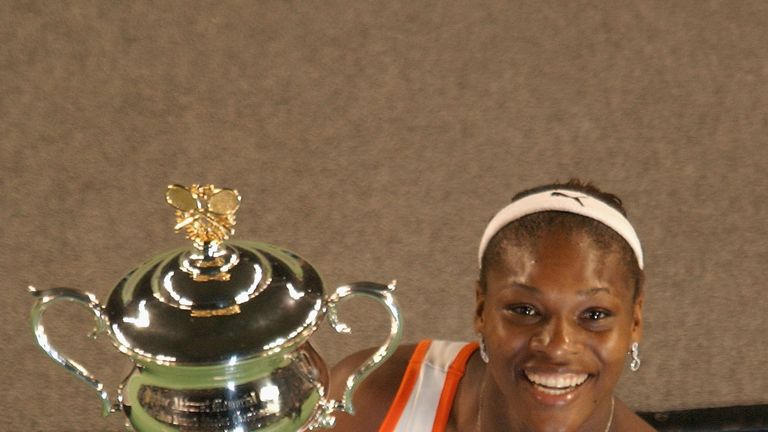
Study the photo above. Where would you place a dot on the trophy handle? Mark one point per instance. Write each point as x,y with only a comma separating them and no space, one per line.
48,297
382,294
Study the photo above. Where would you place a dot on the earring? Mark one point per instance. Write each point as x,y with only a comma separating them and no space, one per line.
483,352
634,352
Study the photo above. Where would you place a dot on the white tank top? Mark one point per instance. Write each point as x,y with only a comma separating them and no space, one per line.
424,400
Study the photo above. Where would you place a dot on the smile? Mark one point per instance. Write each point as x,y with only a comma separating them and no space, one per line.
556,383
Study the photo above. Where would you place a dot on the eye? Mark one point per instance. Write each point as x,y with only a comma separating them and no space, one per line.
524,310
595,314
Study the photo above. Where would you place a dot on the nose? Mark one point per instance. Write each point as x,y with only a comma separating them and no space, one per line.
556,338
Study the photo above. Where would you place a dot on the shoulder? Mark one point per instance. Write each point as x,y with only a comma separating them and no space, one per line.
374,395
627,420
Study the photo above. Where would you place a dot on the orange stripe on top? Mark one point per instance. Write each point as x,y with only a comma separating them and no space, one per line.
453,376
406,387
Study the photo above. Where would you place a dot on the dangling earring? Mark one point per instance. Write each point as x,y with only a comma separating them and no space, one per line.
483,352
634,352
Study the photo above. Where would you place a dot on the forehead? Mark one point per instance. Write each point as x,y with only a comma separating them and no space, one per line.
561,259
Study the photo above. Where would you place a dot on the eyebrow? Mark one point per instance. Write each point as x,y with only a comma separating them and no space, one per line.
589,292
524,287
593,291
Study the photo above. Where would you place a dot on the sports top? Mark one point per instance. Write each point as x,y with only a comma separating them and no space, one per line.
424,400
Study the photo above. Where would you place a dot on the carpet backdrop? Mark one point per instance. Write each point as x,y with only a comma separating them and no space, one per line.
376,139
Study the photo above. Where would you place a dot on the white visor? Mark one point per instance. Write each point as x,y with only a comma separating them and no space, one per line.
563,200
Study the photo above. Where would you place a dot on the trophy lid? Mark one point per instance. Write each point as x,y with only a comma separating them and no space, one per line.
217,301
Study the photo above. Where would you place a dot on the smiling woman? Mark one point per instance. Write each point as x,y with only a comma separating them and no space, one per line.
558,314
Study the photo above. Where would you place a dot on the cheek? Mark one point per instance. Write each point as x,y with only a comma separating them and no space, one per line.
503,340
611,349
508,349
498,333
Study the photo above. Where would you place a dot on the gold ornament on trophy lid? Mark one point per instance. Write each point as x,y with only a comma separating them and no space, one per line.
207,215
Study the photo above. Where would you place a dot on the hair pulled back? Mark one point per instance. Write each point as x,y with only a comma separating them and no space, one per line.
529,229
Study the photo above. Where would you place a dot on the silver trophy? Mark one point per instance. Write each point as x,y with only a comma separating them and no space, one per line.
218,332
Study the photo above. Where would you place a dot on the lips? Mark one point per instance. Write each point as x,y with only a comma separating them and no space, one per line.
556,384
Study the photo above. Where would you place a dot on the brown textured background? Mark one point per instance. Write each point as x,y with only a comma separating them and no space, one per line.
376,139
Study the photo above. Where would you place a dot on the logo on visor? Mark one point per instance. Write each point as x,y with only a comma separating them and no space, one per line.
575,198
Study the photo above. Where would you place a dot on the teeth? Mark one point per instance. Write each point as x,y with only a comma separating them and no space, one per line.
554,391
557,383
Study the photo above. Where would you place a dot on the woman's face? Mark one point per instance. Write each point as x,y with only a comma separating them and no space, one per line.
558,317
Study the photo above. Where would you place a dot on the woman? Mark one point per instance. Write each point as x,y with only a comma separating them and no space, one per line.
558,315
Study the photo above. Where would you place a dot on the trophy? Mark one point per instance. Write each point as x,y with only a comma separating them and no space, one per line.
218,332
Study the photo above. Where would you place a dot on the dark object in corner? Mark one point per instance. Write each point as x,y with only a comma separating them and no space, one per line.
750,418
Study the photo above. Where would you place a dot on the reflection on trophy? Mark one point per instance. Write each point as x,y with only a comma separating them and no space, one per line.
218,332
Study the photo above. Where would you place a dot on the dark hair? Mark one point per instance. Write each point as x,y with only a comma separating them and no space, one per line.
529,229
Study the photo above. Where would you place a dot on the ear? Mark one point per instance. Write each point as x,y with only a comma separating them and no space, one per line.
637,317
479,307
